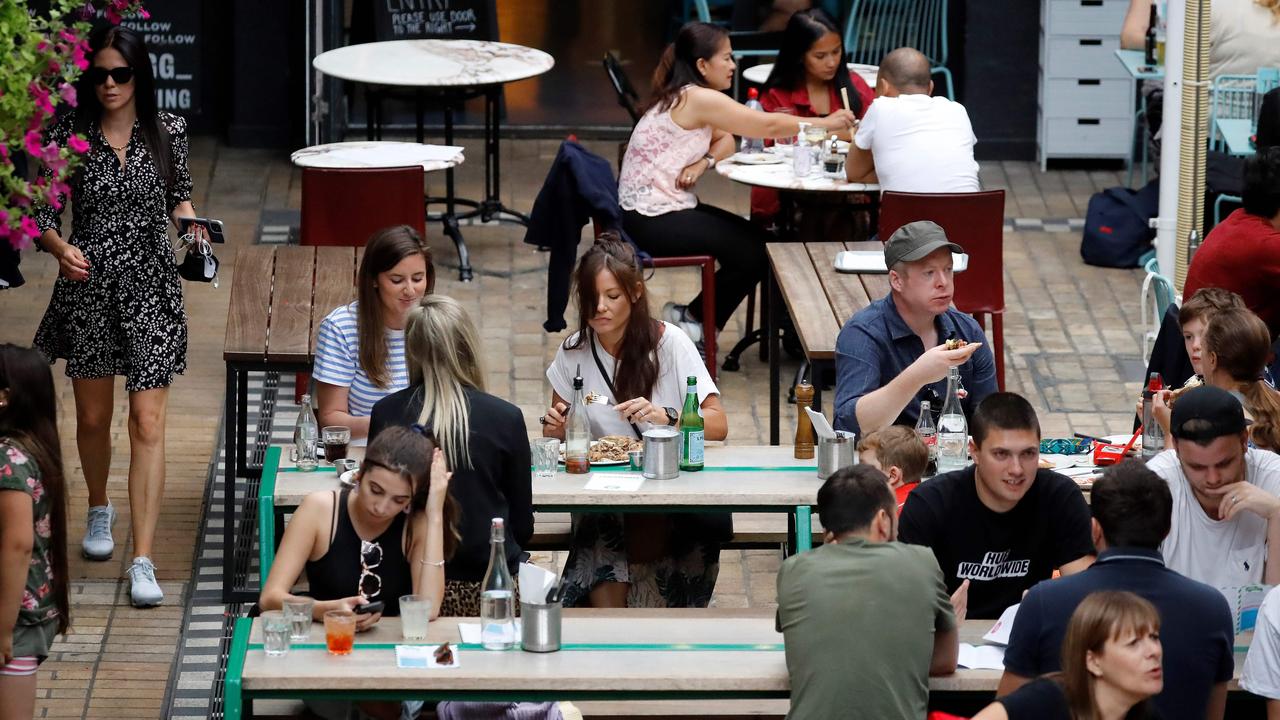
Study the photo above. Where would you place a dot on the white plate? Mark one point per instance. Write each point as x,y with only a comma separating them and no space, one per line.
595,463
1123,440
764,158
1061,462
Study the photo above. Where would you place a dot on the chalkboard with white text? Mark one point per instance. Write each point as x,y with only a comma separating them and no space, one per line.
447,19
175,37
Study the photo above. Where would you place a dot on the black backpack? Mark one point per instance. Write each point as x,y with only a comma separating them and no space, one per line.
1117,231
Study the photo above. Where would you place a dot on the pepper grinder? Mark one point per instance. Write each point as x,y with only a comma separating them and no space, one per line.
804,426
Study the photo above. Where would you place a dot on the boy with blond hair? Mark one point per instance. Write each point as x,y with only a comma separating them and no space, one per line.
900,454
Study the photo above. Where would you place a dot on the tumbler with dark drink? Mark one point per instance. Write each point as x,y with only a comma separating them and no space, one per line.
335,439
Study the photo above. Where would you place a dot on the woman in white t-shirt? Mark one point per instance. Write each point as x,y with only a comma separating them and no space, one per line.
634,560
360,346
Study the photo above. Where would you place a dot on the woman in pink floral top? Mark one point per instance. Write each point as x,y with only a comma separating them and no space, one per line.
689,126
33,538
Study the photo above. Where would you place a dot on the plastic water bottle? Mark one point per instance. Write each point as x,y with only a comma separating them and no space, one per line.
497,596
802,155
749,144
1152,433
305,435
953,429
928,434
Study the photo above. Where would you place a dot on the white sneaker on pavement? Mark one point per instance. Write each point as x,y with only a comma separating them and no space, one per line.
97,543
143,588
678,315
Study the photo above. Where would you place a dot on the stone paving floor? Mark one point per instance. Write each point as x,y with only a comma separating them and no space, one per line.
1072,336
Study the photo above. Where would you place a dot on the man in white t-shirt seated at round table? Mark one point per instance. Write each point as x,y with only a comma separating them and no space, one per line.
1226,495
910,141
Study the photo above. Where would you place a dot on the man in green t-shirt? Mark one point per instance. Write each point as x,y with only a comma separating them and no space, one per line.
866,620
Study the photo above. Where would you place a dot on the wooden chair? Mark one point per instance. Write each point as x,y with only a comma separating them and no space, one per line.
345,206
976,222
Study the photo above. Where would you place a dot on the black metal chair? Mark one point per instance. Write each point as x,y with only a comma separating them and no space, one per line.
628,98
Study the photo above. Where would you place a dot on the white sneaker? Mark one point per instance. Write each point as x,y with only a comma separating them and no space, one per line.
143,588
97,543
678,315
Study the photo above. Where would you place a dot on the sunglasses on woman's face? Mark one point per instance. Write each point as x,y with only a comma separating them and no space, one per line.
121,75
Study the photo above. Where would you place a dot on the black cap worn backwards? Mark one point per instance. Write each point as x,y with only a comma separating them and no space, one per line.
1205,413
914,241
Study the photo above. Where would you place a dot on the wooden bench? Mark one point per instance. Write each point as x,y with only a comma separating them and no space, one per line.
820,301
279,295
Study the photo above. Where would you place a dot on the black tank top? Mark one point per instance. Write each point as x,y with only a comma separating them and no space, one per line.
336,574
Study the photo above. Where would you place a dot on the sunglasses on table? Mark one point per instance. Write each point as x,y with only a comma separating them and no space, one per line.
98,75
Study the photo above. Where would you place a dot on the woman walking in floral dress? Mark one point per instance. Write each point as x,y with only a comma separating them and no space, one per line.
117,306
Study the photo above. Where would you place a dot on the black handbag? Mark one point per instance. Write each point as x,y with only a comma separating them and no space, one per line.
199,264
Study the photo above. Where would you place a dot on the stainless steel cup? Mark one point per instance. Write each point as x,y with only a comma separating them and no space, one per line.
835,453
635,459
661,453
540,627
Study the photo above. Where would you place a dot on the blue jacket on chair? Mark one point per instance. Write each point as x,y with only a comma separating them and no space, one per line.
579,188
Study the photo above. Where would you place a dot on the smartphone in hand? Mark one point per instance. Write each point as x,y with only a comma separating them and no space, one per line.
370,608
212,227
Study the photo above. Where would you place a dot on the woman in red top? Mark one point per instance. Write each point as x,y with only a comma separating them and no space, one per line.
806,82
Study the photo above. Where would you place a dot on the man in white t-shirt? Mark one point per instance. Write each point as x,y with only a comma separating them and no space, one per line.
909,141
1225,494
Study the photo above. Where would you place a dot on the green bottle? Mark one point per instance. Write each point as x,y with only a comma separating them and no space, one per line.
691,429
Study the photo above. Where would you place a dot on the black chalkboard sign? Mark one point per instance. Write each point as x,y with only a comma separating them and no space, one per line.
444,19
175,37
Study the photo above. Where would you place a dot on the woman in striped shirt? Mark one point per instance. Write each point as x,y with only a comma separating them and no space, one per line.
360,346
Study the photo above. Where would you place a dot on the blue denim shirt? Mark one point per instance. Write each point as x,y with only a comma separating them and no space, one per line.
876,345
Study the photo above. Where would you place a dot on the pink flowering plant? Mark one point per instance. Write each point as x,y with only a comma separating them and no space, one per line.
42,56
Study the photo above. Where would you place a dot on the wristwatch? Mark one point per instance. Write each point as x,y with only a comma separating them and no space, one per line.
672,417
711,160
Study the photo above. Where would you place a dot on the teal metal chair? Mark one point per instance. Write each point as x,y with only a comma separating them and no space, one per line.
746,43
875,27
1157,290
1231,97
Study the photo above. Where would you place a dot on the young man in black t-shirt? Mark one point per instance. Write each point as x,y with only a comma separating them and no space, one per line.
1002,524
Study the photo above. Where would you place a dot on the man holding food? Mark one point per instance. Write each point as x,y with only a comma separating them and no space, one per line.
896,352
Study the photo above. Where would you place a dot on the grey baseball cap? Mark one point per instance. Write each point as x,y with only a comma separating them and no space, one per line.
914,241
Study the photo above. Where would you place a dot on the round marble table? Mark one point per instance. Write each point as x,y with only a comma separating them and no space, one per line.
378,154
434,63
780,177
450,71
758,74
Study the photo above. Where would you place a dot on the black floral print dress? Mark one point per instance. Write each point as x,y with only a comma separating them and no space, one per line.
127,318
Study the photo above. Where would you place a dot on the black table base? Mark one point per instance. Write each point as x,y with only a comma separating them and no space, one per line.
488,208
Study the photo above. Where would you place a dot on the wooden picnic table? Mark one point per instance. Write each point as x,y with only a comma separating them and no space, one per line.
820,301
629,654
279,295
742,479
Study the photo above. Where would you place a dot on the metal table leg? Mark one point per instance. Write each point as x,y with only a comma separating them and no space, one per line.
774,350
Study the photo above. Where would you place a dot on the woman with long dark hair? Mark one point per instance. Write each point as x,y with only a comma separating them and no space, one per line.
483,438
33,526
388,537
641,365
360,346
1237,346
1111,666
117,307
806,81
688,127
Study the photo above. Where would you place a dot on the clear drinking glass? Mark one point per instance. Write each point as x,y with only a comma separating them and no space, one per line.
546,454
339,631
415,616
299,614
275,633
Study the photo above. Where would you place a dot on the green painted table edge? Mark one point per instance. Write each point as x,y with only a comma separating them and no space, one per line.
802,542
233,704
575,647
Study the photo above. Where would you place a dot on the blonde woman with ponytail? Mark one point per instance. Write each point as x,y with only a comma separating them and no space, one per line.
1237,345
483,439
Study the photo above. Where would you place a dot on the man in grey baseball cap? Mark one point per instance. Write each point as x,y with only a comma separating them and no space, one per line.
892,355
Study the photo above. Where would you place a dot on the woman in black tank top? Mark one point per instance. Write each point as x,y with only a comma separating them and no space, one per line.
387,537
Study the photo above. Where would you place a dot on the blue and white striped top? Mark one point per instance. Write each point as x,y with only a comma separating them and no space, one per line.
338,360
